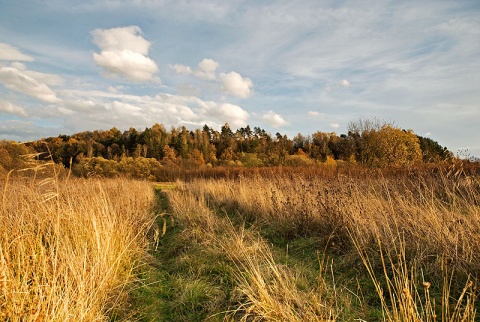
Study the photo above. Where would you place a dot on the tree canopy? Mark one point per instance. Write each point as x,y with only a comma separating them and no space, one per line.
368,143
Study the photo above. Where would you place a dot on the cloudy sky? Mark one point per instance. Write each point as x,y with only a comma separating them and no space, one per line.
286,66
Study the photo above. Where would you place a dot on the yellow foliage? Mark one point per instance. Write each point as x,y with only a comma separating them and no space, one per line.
330,161
390,146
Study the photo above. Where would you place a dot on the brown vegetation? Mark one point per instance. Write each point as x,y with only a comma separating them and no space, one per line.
69,248
415,236
324,242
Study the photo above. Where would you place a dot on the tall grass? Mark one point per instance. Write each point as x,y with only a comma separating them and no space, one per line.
407,230
69,248
436,214
265,290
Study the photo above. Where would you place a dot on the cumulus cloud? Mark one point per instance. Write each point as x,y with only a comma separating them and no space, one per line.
124,53
10,53
217,114
18,80
97,109
273,119
228,113
232,83
236,85
205,70
10,108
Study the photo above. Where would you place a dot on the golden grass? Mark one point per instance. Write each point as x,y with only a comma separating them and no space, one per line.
271,290
401,227
68,249
265,291
436,214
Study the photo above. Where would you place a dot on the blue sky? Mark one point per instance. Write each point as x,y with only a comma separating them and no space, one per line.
285,66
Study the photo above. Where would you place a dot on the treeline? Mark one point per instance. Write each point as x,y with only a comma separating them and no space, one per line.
146,153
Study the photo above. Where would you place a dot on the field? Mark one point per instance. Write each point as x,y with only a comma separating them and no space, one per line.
70,249
278,246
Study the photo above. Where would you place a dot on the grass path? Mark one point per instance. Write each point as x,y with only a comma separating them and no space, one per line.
217,262
193,279
181,282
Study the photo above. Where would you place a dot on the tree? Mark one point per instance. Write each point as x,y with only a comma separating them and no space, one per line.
169,156
320,142
432,151
390,146
226,143
153,140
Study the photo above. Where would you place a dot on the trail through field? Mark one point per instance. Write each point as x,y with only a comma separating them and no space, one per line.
180,282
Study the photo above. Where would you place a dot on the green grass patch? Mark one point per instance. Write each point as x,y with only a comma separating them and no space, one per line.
164,186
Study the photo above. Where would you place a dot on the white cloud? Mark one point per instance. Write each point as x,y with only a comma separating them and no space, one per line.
315,114
334,125
123,38
233,114
18,80
47,79
236,85
124,53
273,119
10,108
217,115
182,69
97,109
345,83
232,83
206,69
11,53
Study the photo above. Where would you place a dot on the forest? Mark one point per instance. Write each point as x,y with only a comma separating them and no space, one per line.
157,154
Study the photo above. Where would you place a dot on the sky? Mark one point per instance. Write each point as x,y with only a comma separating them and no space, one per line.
285,66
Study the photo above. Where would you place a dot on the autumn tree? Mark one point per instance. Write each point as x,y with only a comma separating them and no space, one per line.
390,146
153,140
321,145
169,156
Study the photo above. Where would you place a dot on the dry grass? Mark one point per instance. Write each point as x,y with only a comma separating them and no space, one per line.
406,229
272,290
437,215
68,249
405,295
265,290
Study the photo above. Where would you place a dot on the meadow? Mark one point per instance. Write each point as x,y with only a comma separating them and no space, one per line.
270,245
70,248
